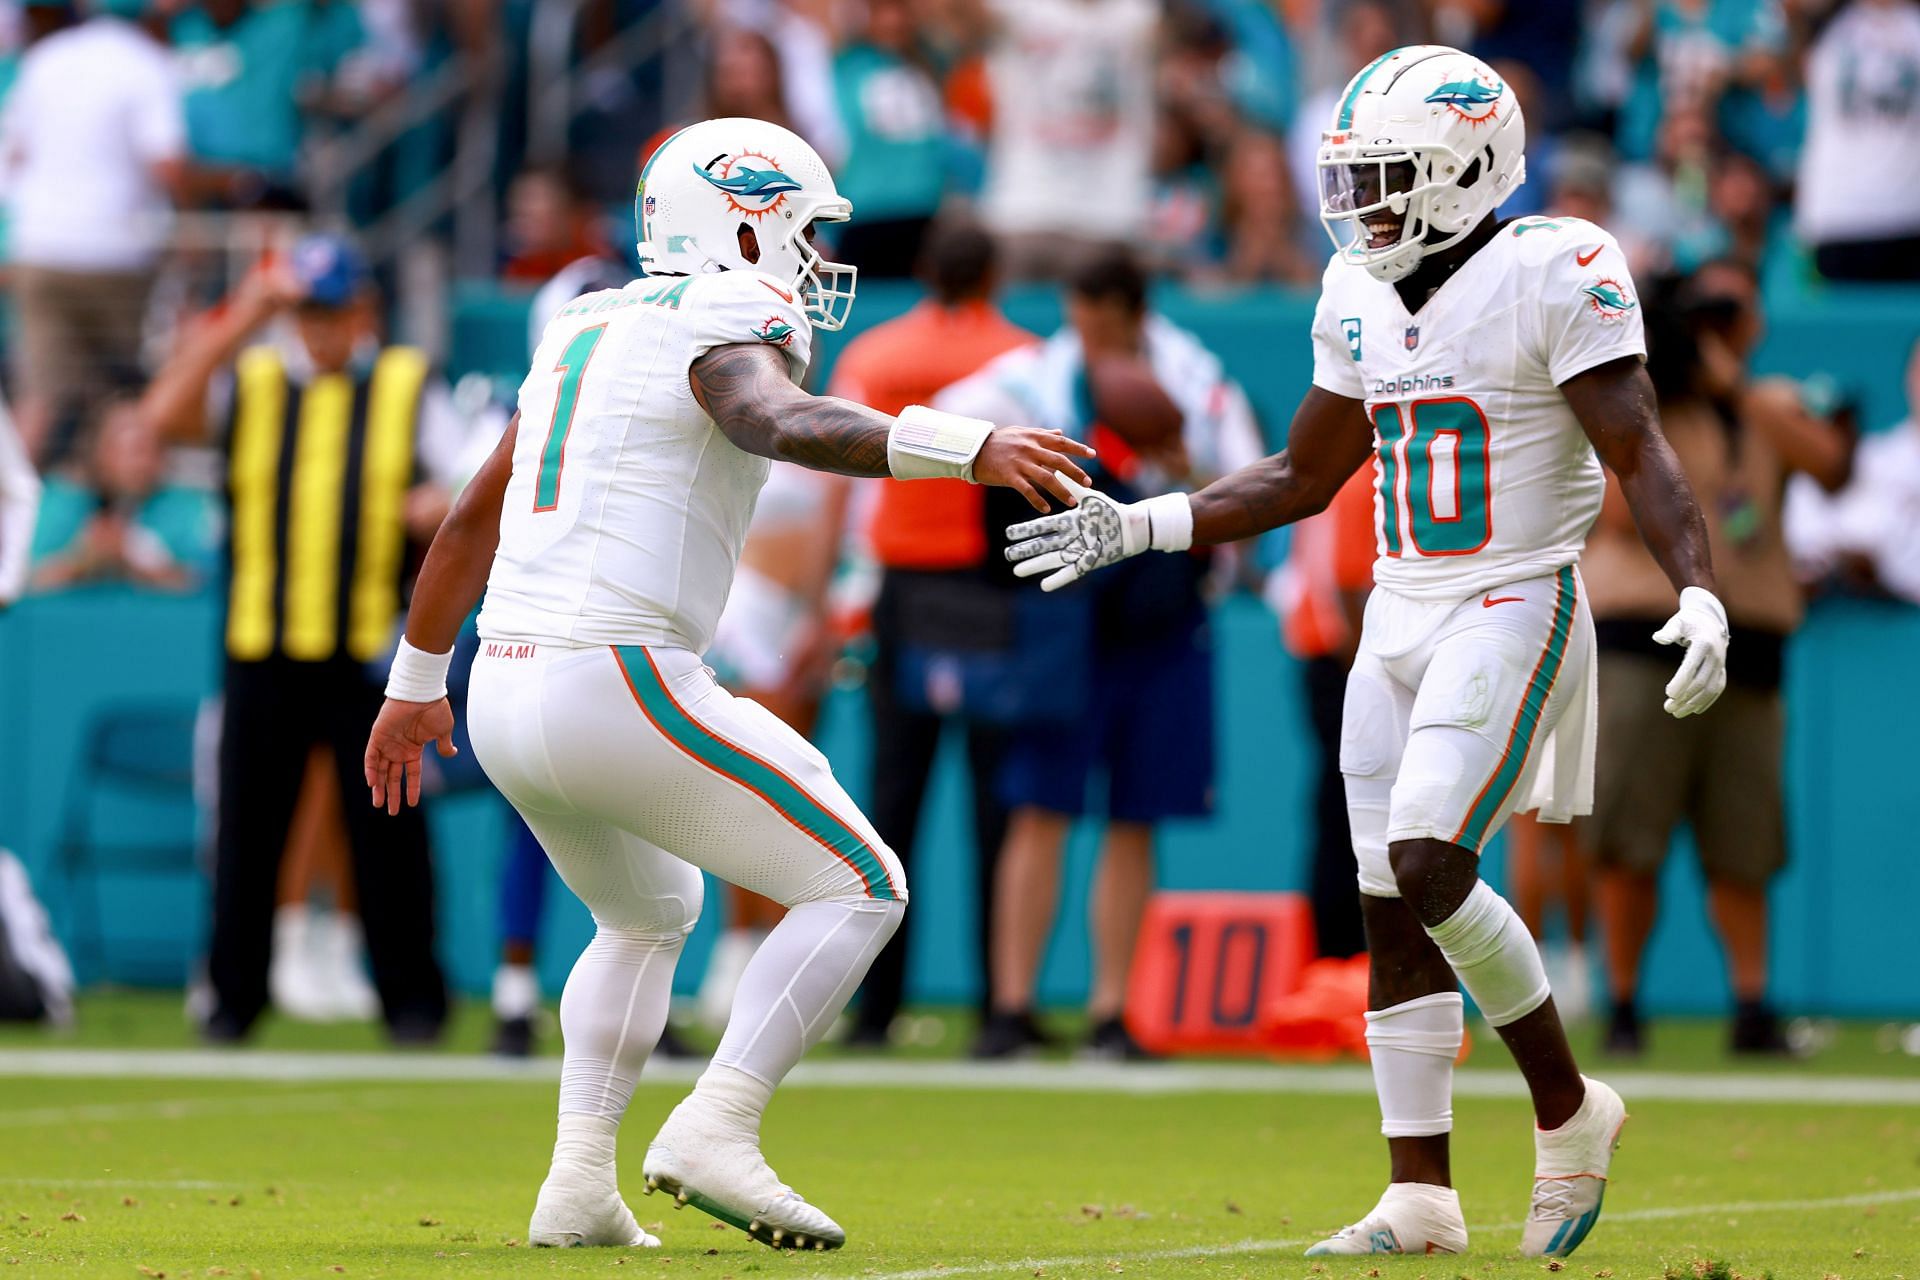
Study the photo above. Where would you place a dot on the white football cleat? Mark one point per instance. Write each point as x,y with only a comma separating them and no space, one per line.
580,1206
1412,1217
1570,1174
701,1160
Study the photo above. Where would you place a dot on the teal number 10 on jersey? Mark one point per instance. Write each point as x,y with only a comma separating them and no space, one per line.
1441,446
571,368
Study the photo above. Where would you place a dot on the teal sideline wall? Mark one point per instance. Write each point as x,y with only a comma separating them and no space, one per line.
1841,942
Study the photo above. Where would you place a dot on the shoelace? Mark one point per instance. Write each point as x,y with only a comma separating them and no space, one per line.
1553,1198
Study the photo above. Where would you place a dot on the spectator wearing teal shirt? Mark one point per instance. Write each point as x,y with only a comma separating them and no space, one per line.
895,171
123,525
1258,72
249,68
1718,55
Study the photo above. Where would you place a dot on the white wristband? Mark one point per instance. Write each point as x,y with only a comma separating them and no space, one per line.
418,676
1701,598
1169,522
926,444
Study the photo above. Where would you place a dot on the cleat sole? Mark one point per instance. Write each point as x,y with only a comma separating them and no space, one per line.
772,1237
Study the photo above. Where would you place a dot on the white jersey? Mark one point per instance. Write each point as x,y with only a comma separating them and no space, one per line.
1482,473
1860,169
627,508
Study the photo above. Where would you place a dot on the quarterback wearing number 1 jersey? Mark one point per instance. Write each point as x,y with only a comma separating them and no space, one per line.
592,552
1483,370
605,530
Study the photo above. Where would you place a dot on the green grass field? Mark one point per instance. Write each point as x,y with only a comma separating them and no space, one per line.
196,1176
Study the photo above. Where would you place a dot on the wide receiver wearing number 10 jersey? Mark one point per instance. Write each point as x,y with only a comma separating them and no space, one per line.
1483,476
1480,366
605,530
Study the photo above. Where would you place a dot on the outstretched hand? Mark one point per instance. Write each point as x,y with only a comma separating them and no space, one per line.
400,735
1033,462
1068,546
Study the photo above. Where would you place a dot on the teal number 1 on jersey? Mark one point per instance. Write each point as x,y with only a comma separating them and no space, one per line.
1441,445
571,368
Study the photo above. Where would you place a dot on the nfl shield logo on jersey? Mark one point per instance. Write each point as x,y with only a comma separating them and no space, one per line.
1413,336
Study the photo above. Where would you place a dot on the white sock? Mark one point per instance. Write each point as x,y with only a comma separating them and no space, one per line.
1495,956
585,1141
516,991
799,980
611,1016
1413,1047
734,1096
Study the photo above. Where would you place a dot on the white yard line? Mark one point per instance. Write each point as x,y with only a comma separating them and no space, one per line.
158,1184
1043,1077
1033,1266
190,1108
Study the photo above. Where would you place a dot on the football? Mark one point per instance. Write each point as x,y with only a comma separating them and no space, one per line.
1130,402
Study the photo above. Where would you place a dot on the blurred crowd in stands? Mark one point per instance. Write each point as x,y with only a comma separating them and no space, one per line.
1739,149
1782,134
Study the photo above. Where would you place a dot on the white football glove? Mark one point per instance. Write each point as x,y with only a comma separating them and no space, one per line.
1070,544
1700,625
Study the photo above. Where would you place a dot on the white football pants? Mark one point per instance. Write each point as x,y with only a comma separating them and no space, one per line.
635,770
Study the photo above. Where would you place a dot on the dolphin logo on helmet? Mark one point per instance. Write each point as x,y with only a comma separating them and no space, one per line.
1470,99
762,187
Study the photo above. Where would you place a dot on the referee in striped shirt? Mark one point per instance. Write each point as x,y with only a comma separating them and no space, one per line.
339,452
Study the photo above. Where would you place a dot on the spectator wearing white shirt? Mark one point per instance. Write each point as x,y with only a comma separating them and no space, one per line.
92,142
1868,534
1069,159
1858,201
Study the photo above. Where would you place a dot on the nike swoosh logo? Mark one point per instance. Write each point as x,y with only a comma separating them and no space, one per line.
1589,256
1488,602
787,297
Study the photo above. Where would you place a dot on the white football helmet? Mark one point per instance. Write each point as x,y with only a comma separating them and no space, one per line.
710,178
1425,142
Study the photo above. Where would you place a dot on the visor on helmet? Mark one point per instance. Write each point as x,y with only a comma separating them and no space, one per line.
1369,197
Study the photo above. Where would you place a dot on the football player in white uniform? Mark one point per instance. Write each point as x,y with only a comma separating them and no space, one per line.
605,539
1480,365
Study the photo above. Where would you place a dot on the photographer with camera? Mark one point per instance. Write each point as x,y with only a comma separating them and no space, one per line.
1739,440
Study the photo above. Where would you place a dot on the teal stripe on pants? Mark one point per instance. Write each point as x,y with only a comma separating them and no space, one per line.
1513,760
731,761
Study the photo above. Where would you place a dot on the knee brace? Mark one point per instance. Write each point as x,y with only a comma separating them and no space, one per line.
1413,1047
1493,953
1368,802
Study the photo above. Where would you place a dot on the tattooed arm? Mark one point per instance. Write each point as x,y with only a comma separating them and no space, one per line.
1329,439
747,392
